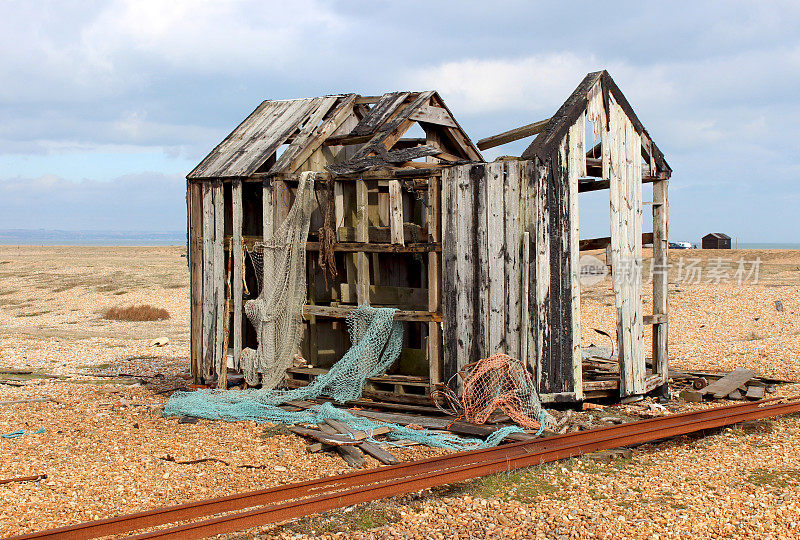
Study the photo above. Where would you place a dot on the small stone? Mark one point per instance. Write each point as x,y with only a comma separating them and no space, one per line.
160,342
280,468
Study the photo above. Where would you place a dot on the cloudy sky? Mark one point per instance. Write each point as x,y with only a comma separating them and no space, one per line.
105,106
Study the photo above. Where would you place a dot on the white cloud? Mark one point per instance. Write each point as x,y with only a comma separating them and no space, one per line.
484,86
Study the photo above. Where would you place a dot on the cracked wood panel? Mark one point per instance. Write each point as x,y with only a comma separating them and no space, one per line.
626,246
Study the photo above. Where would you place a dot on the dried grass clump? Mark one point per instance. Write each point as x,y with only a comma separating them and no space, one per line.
136,313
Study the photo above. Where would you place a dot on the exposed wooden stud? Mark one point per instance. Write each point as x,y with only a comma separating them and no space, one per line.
209,290
220,356
434,221
362,235
525,322
512,135
238,270
341,312
660,279
576,163
396,213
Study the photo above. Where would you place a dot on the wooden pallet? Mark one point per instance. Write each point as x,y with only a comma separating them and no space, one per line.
393,388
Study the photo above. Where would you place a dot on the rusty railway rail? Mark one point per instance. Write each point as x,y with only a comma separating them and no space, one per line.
304,498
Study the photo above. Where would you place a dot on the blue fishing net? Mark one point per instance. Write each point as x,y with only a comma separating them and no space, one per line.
376,343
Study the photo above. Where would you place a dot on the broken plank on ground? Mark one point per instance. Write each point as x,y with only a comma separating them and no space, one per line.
730,382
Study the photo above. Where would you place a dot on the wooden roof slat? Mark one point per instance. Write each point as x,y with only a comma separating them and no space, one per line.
393,126
265,112
300,141
381,112
243,151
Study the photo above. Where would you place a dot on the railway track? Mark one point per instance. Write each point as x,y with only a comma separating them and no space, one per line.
297,500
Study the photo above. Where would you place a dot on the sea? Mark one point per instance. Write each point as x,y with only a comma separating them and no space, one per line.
46,237
49,237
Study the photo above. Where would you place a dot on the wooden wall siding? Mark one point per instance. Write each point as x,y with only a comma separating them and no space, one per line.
551,304
625,174
573,160
481,268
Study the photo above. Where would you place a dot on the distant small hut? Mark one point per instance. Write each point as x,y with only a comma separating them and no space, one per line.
716,240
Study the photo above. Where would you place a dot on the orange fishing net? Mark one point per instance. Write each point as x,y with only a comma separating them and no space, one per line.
498,383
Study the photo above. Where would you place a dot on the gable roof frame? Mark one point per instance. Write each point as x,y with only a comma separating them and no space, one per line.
550,137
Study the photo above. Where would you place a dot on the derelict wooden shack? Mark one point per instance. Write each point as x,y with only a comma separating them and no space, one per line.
477,257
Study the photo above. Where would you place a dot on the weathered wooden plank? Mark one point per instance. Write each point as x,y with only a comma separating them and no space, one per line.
512,135
576,169
755,392
368,447
660,279
402,297
385,158
468,305
341,312
362,235
481,312
434,221
256,139
542,326
396,213
525,324
310,139
386,106
450,282
282,202
590,244
195,208
238,270
456,134
513,257
433,115
393,129
383,235
493,259
219,274
626,210
730,382
209,290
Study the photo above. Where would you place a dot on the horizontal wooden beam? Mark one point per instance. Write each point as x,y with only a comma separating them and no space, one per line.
380,173
415,234
367,100
658,318
344,140
512,135
594,185
366,247
341,312
401,297
600,243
